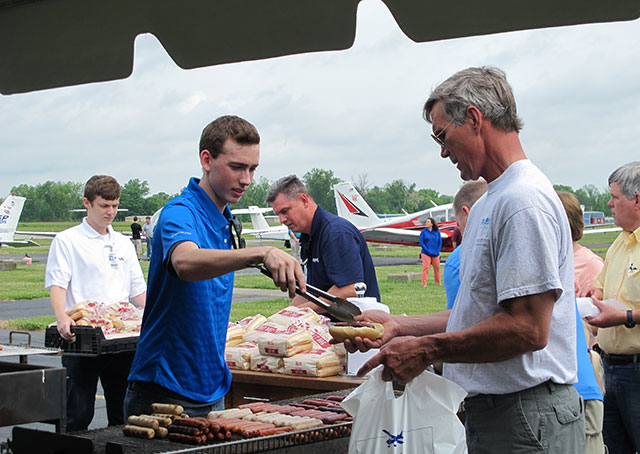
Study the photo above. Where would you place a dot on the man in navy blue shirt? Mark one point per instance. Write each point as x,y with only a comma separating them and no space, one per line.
333,251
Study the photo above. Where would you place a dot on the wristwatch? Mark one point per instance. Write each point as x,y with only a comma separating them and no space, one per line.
630,323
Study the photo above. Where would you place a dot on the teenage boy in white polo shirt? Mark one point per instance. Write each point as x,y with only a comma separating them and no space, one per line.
92,262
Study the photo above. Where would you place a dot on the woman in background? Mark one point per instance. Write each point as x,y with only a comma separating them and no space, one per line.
431,243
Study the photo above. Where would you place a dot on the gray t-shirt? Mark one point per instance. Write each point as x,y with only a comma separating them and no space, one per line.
147,229
517,242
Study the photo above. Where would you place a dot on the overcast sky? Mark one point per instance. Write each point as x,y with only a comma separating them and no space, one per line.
355,112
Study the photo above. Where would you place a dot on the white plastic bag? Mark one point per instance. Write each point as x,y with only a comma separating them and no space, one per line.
422,420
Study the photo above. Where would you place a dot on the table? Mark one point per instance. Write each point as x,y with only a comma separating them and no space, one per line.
249,386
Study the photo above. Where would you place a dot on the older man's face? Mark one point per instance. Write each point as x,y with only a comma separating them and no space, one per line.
293,212
625,212
458,144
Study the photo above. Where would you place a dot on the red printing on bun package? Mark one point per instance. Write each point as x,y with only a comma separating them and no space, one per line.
284,342
265,363
239,356
315,363
292,314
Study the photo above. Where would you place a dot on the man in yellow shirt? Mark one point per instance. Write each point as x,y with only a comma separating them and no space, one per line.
619,337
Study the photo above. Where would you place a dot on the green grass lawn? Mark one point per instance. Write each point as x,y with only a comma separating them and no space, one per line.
27,282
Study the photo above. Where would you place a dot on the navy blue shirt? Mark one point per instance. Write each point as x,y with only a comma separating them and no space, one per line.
336,253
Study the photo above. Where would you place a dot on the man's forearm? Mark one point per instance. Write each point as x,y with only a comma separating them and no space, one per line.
194,264
57,298
422,325
495,339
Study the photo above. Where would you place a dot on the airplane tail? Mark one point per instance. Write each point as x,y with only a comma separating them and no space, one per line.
352,206
257,218
10,212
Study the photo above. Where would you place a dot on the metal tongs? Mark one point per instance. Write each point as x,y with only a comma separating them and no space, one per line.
340,308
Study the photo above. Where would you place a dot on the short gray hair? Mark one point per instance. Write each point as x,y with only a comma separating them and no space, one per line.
485,88
469,194
628,178
290,186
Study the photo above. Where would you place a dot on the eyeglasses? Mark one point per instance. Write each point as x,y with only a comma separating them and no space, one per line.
237,227
441,136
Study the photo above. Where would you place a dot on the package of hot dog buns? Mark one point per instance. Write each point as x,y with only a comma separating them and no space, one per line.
252,322
285,342
315,363
235,334
239,356
292,314
266,363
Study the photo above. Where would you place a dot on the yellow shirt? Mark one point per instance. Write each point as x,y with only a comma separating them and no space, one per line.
620,280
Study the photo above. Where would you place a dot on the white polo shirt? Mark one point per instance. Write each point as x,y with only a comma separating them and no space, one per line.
94,267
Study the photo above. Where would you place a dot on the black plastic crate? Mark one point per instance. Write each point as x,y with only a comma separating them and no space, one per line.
89,341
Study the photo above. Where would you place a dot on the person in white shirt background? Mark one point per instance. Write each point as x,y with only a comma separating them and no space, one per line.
93,262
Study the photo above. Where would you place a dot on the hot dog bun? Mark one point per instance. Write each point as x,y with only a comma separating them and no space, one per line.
342,331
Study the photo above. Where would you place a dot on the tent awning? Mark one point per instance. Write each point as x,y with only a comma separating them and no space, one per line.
54,43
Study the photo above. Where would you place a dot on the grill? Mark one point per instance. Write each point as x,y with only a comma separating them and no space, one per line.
104,440
328,438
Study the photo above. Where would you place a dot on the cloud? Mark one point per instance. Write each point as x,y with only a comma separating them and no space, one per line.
354,111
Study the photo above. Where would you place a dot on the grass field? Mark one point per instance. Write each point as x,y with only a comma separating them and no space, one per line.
27,282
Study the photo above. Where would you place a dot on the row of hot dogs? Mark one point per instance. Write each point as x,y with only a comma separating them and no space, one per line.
257,419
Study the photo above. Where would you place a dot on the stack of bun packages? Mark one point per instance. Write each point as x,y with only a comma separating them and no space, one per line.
354,361
121,318
292,341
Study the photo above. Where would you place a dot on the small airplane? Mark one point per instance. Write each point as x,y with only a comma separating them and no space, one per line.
261,228
10,212
403,229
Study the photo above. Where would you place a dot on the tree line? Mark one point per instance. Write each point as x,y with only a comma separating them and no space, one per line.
53,201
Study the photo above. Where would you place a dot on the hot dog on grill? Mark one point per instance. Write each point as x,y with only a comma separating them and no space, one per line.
143,421
140,432
341,331
182,438
167,409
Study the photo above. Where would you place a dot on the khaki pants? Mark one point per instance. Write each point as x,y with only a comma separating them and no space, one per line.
548,418
138,246
593,417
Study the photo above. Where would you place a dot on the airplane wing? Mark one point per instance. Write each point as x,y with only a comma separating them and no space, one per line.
392,236
44,234
395,236
274,233
19,243
597,230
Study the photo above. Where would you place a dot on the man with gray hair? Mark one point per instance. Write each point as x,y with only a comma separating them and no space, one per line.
334,253
619,336
510,340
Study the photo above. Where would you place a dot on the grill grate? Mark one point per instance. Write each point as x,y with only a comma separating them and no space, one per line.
308,439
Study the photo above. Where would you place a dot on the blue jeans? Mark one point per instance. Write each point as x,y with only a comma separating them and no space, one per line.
140,396
622,407
82,383
149,240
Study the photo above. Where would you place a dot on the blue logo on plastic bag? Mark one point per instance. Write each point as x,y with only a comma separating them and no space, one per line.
394,439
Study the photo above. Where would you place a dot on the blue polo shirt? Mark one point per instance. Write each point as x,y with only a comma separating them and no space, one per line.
587,385
451,277
184,326
336,253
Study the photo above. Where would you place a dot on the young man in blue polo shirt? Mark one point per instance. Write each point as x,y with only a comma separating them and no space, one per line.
180,355
333,250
